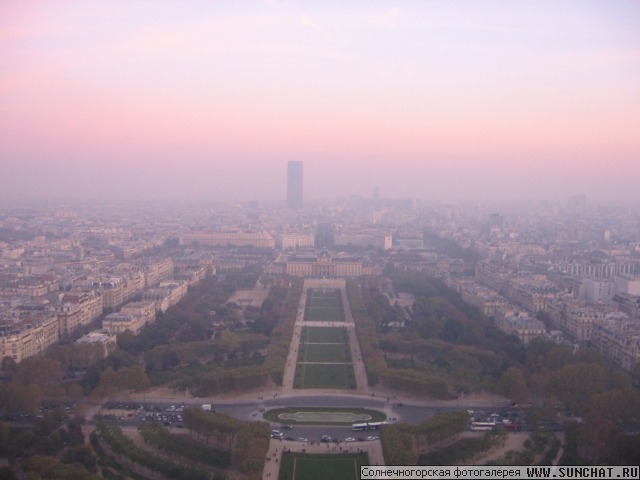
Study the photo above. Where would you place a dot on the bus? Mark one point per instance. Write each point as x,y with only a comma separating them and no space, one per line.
367,426
482,426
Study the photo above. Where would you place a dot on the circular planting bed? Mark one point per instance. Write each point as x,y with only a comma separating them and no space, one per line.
323,415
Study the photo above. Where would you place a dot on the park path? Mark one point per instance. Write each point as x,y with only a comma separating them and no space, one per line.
359,371
276,447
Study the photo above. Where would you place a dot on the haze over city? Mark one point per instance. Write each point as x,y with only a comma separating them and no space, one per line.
442,101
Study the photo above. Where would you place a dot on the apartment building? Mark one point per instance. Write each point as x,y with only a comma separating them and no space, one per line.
117,323
521,324
484,299
597,269
629,304
574,318
30,337
628,284
131,317
618,338
77,309
494,276
295,240
116,290
100,337
166,295
236,239
157,271
531,293
14,285
379,241
145,310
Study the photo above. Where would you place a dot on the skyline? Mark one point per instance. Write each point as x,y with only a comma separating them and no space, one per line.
444,101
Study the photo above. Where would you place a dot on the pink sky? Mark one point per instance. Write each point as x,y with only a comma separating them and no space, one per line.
435,100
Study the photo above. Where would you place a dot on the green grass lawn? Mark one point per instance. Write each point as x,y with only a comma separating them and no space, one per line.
303,466
319,294
324,352
324,335
318,314
325,302
324,305
324,375
323,314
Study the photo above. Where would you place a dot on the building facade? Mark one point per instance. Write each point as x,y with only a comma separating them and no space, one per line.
294,240
78,309
295,184
29,339
236,239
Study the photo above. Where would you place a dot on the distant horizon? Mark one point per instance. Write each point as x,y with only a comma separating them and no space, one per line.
517,204
206,101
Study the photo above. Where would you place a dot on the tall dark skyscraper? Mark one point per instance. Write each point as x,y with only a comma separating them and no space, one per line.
294,184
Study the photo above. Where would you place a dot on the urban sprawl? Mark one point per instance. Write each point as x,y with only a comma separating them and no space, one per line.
563,270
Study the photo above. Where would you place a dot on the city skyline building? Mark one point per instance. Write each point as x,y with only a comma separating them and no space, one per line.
295,184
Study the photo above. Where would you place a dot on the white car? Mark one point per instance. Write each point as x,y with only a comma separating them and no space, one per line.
349,439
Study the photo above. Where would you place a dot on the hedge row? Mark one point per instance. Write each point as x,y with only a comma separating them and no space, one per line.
160,438
121,444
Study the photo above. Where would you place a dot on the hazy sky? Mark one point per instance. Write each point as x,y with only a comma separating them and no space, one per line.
442,100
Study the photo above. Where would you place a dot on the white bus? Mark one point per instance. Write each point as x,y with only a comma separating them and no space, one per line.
367,426
482,426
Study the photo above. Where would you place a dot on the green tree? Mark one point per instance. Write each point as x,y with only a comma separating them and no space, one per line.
619,406
91,378
134,378
227,342
559,356
161,358
635,374
7,473
397,445
74,391
38,371
9,365
512,385
22,398
574,384
82,455
441,427
4,437
621,380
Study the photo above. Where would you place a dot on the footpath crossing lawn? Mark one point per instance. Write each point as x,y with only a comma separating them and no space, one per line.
324,305
324,352
325,375
324,335
324,359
